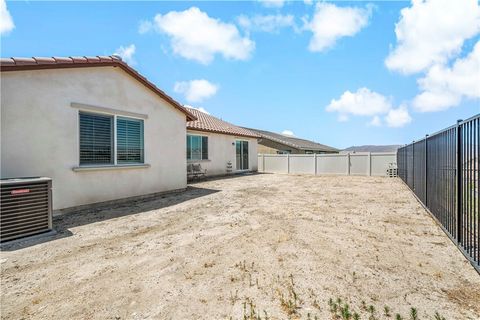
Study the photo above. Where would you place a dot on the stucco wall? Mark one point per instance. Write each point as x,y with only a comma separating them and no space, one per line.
39,133
221,149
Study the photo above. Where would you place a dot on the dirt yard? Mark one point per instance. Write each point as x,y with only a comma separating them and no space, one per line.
283,245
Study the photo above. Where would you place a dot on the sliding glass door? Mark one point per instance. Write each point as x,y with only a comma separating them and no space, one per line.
241,148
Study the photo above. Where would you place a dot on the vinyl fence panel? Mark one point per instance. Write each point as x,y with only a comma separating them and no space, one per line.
334,164
359,164
302,163
380,162
364,164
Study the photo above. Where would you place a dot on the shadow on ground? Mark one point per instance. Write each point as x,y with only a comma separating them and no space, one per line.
103,212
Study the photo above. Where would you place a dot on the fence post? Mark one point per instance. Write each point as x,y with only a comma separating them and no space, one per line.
348,164
458,133
288,163
315,164
369,163
413,165
426,168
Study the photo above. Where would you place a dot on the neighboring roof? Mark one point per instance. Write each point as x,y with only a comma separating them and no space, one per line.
373,148
294,142
208,123
36,63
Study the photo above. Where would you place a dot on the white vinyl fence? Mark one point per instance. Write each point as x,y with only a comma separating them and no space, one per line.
360,164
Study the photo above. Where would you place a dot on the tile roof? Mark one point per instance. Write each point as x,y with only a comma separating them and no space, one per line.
208,123
294,142
35,63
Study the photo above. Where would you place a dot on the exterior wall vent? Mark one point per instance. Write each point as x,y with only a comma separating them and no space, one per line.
25,207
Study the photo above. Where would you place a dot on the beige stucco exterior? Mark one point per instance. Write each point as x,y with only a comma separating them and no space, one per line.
221,150
40,133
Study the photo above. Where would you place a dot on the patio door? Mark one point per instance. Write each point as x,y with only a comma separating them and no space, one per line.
241,151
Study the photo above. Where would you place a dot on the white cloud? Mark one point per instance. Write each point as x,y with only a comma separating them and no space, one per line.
201,109
431,32
272,3
126,53
145,26
331,23
376,121
308,2
444,87
398,117
6,21
361,103
266,23
196,36
196,90
288,133
365,102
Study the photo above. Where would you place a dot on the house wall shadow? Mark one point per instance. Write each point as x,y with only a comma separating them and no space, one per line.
103,212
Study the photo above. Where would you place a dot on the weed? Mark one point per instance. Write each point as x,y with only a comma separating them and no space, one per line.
234,298
386,311
413,314
437,316
398,317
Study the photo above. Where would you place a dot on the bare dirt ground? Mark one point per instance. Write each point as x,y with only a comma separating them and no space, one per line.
282,244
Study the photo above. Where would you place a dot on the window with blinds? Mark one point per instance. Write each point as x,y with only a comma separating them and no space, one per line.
197,147
129,140
96,139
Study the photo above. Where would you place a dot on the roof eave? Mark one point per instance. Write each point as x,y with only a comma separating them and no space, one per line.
222,132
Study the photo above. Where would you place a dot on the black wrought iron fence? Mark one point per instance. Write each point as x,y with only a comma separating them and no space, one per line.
443,171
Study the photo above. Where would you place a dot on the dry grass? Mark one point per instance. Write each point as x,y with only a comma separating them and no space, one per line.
263,246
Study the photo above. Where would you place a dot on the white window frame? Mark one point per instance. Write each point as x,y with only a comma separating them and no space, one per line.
201,151
114,113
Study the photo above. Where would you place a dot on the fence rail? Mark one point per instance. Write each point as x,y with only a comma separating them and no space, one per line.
443,171
362,164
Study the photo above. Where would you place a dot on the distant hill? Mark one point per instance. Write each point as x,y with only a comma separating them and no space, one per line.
372,148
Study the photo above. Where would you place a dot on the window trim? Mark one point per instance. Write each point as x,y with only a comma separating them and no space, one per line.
201,147
115,164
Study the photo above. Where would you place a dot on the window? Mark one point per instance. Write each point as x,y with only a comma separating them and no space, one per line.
97,140
197,147
129,140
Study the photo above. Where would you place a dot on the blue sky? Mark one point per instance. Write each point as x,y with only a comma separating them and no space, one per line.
333,72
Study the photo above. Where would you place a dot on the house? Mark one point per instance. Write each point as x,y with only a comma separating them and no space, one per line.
94,125
274,143
220,147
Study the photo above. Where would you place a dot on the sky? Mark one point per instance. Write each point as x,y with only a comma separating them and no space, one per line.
339,73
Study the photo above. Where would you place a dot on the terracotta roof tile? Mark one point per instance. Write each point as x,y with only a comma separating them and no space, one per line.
63,59
44,60
105,58
93,59
8,62
79,59
206,122
19,64
24,61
